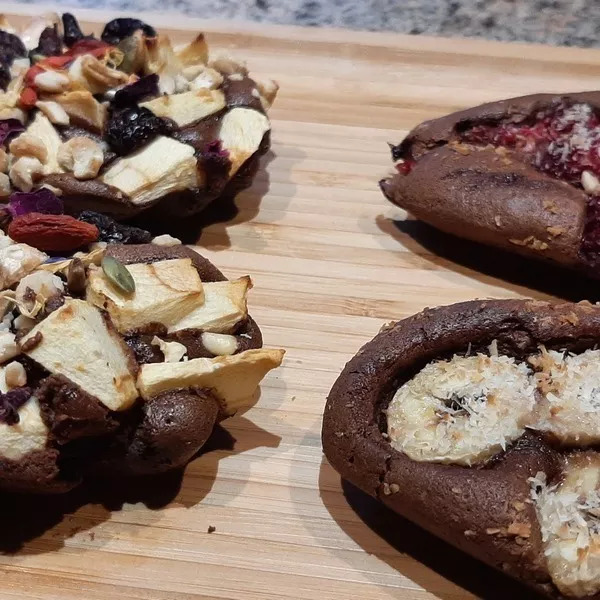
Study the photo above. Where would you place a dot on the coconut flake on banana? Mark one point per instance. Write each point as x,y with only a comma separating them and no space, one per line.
463,410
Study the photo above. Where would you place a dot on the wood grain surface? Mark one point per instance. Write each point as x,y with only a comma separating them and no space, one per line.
331,262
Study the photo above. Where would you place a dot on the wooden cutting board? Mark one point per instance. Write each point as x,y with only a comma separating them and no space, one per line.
330,265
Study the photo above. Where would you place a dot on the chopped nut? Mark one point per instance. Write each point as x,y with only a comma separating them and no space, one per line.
555,231
493,530
38,287
94,75
82,156
76,278
228,66
469,533
166,240
52,81
268,90
3,160
394,488
236,77
519,505
571,318
15,375
460,148
219,344
497,221
29,145
172,351
530,241
8,346
5,189
25,171
590,182
386,489
54,111
550,206
520,529
207,78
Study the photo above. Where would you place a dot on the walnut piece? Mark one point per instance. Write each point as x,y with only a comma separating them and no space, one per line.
82,156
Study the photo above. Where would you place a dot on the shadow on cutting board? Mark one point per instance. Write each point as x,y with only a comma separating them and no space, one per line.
39,524
489,265
406,538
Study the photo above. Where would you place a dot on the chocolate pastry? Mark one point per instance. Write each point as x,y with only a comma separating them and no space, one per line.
118,360
480,422
128,123
519,174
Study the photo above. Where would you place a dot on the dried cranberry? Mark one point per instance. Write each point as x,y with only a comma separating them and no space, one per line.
49,44
118,29
405,167
11,45
131,94
72,30
131,128
10,402
113,232
216,164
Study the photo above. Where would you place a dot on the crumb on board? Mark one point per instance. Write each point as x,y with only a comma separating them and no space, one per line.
211,529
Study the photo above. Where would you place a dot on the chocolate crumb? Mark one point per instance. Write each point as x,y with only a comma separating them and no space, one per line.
211,529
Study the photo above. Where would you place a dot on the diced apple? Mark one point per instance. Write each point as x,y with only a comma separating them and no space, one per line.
165,292
224,306
77,342
187,107
162,166
233,379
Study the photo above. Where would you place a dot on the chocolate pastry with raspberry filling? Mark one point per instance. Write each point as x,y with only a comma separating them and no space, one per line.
521,174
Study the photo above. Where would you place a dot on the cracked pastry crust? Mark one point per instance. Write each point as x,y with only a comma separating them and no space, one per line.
519,174
90,385
503,507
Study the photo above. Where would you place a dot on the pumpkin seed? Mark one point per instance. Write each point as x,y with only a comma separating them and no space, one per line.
118,274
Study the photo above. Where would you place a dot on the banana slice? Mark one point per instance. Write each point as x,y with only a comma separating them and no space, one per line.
159,168
75,341
569,516
165,292
570,389
461,411
233,379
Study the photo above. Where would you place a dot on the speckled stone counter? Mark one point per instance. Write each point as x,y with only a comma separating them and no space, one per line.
558,22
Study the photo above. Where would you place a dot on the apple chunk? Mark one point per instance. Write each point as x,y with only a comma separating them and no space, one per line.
224,306
77,342
165,292
187,107
233,379
159,168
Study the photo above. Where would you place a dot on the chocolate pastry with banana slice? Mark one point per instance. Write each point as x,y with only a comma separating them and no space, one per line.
126,122
521,174
480,422
122,360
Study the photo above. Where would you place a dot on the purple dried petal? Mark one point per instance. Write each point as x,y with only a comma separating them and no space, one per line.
134,93
40,201
10,404
9,127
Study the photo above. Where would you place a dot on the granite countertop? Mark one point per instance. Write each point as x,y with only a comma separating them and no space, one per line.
558,22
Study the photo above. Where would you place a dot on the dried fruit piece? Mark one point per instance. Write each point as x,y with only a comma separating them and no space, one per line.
134,93
49,43
113,232
82,156
40,201
187,107
131,128
72,31
8,128
11,402
53,233
76,278
118,274
117,29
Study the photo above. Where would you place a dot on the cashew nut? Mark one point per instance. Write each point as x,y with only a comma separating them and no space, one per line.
52,81
25,171
82,156
3,161
4,185
29,145
54,111
15,375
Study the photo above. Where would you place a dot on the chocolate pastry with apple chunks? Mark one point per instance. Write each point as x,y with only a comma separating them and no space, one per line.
521,174
122,360
127,123
495,405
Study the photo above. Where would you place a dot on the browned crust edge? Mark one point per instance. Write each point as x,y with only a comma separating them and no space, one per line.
457,504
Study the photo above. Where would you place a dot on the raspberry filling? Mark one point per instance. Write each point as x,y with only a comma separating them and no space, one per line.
564,142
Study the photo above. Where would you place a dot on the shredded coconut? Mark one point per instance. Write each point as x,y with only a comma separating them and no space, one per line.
462,410
569,516
570,388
